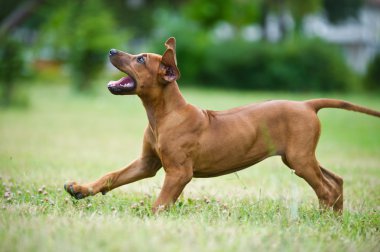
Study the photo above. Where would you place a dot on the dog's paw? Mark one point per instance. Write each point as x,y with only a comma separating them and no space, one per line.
77,191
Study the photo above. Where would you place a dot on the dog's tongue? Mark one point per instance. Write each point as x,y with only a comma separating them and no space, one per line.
125,82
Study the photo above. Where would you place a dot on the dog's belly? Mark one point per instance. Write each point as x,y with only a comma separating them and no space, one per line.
223,151
225,167
230,156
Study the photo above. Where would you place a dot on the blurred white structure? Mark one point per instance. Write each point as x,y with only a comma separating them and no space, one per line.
360,38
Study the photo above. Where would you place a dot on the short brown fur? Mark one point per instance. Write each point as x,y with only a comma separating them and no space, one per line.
191,142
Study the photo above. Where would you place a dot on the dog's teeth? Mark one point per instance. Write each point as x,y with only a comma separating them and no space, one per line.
128,85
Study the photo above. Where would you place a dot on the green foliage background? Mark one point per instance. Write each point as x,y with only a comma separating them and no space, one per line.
78,35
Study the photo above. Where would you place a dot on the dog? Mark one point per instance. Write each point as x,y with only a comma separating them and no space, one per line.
191,142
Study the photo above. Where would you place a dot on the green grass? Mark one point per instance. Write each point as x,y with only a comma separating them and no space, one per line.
63,136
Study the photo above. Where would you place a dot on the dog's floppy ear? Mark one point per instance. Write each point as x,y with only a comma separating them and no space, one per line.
169,71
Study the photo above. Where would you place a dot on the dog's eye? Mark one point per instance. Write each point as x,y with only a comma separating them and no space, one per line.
140,59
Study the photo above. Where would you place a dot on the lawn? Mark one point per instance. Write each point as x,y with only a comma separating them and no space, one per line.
63,136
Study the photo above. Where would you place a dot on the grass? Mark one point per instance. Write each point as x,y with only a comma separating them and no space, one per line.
63,136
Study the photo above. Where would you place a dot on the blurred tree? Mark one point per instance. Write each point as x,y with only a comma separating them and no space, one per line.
209,12
264,11
11,65
139,15
244,12
11,51
300,8
81,33
297,8
372,77
337,11
12,16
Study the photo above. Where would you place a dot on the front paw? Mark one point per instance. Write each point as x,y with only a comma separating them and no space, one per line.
77,191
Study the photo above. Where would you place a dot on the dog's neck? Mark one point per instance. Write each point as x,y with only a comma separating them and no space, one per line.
166,100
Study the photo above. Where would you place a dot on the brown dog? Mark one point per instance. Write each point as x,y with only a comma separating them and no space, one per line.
191,142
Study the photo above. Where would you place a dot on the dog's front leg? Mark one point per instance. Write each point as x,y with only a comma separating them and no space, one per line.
175,181
139,169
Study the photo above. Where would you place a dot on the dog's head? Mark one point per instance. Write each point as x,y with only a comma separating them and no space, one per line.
146,72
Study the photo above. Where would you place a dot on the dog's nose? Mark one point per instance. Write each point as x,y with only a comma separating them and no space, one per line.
113,52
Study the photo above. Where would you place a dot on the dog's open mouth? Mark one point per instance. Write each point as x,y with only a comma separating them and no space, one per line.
122,86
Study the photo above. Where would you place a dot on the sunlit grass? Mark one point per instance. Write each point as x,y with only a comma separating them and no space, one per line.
63,136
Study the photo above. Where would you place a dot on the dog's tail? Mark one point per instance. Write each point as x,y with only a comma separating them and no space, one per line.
318,104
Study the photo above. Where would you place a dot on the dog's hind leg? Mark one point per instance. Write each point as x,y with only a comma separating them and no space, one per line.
326,185
337,181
